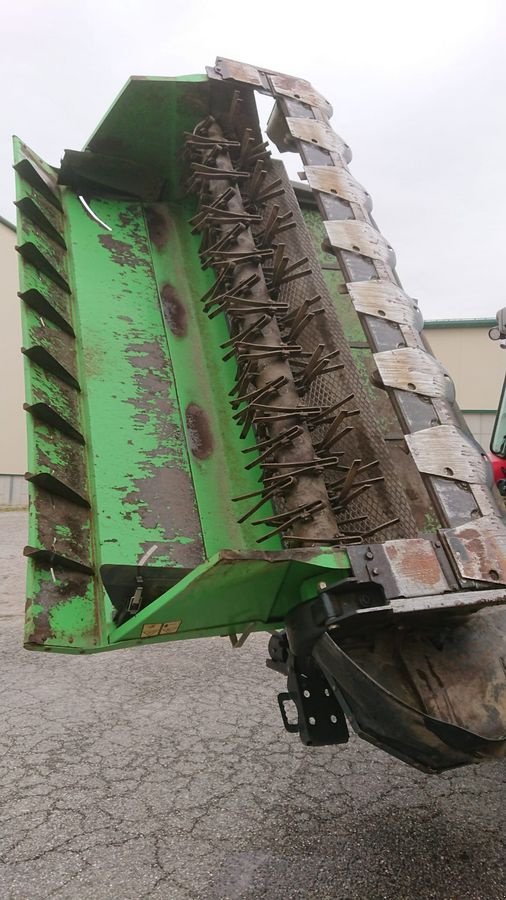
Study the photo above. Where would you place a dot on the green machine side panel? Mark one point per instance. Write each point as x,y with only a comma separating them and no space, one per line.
134,456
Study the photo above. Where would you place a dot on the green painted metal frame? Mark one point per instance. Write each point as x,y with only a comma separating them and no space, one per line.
133,453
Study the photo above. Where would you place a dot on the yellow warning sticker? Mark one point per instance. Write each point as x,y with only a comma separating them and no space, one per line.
153,629
170,627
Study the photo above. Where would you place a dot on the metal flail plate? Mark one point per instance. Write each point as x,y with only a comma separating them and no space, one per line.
385,300
416,568
299,89
335,181
317,133
359,237
479,549
445,451
238,71
410,369
280,84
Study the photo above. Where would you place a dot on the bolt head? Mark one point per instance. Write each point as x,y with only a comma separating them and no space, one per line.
322,585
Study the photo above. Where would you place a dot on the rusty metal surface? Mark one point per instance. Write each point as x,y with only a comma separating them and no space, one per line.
43,254
410,369
386,301
158,224
61,532
174,310
200,437
388,709
46,298
42,213
471,655
445,451
427,683
299,89
479,549
269,81
458,494
405,568
66,588
238,71
358,237
51,348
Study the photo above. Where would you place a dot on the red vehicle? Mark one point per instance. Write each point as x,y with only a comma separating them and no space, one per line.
497,453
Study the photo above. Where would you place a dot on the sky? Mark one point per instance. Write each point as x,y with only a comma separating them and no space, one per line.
418,91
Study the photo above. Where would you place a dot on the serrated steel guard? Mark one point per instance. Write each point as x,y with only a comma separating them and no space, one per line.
235,422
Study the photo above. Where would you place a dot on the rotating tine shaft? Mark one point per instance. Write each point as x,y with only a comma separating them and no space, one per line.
304,513
267,442
366,482
244,377
333,435
302,317
247,295
271,388
317,365
348,480
288,514
285,438
254,328
266,495
338,505
369,533
323,417
303,464
223,198
257,178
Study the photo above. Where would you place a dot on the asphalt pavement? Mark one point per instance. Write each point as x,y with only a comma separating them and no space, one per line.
164,772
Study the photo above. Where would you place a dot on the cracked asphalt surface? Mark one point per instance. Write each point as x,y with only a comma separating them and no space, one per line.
164,772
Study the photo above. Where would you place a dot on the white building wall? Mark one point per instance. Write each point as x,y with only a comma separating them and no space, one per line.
12,417
481,424
477,366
